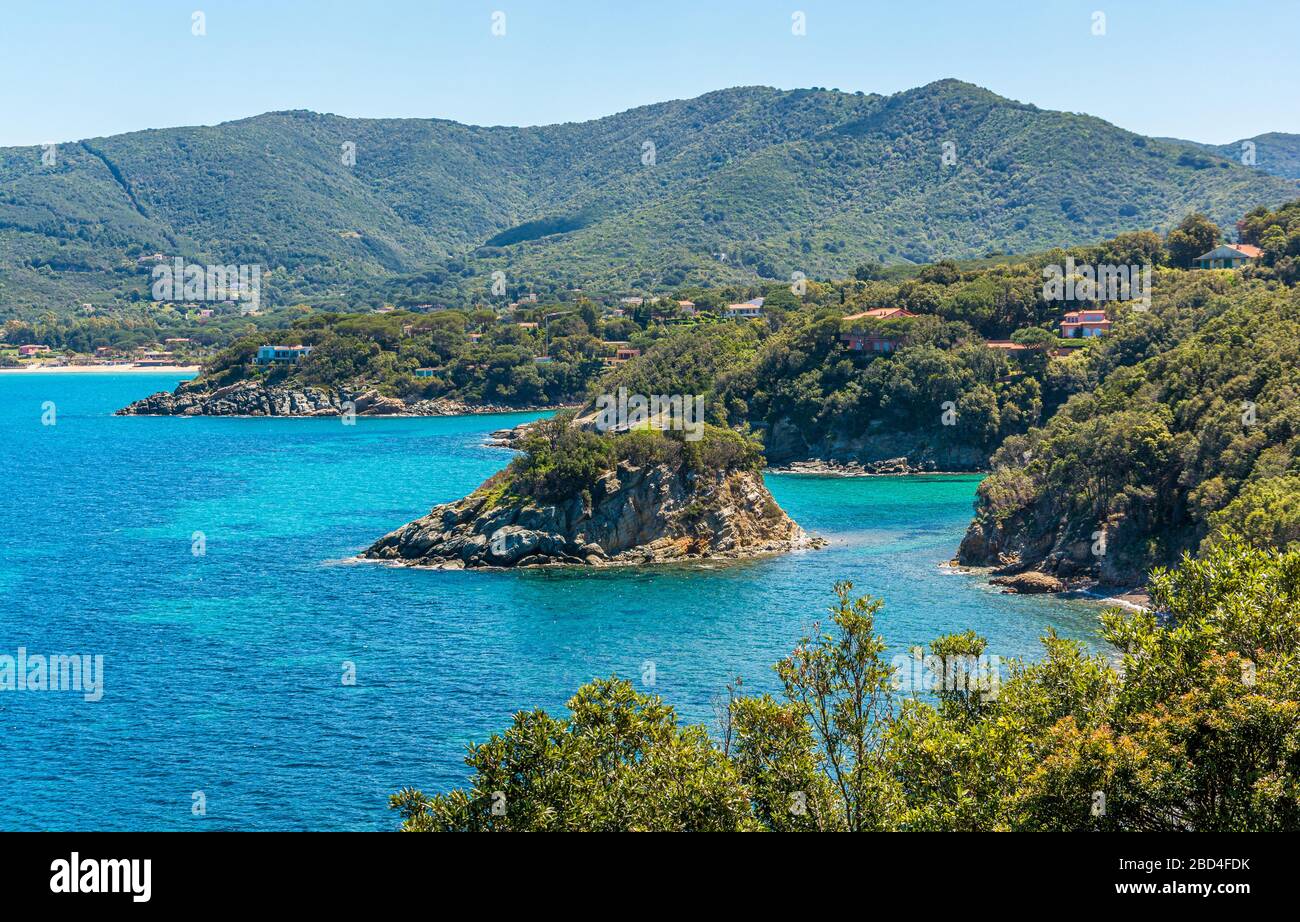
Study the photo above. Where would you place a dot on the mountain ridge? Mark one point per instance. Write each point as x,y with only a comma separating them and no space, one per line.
733,185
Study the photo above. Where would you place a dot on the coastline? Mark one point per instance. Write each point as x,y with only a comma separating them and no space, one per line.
102,369
815,467
1136,599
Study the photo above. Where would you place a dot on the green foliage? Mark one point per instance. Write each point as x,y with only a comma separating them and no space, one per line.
1195,235
1266,513
1185,413
559,459
811,180
620,762
1197,729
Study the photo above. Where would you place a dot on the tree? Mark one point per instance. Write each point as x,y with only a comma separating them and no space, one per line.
1198,730
618,763
1194,236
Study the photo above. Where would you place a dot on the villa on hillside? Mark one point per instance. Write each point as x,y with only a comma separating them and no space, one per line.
30,350
1229,256
747,311
622,353
1084,324
859,341
282,355
882,313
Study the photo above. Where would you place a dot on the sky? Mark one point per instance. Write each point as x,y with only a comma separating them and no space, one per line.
1205,71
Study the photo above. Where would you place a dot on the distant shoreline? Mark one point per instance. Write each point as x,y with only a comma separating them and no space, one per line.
103,369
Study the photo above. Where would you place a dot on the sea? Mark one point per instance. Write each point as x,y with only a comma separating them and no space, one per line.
252,675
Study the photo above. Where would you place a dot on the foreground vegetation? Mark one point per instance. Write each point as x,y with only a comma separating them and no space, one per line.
1197,728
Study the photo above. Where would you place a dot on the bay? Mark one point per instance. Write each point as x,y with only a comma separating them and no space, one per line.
207,561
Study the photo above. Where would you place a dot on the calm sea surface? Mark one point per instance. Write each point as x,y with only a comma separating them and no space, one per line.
223,670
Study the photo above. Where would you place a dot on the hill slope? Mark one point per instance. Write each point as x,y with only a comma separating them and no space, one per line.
1276,153
743,182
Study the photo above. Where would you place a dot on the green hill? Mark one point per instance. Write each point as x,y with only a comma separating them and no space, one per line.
740,184
1275,153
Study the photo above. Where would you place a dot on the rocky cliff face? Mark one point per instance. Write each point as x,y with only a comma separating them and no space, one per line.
649,514
251,398
1042,539
877,451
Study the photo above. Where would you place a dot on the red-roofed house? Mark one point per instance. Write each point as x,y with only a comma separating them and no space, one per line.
1084,324
1229,256
882,313
859,341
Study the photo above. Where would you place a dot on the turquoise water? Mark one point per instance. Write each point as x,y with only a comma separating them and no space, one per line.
222,671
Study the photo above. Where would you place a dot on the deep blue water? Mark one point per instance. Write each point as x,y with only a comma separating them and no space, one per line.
222,672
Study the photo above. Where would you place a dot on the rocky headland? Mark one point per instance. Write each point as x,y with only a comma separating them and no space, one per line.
254,398
634,498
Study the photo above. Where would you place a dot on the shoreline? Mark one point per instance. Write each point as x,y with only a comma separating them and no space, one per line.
819,468
1136,599
103,370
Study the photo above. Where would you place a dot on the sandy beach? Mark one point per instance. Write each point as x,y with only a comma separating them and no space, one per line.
103,369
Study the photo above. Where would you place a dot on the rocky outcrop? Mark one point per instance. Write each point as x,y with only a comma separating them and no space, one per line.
1029,582
631,515
252,398
876,451
1041,537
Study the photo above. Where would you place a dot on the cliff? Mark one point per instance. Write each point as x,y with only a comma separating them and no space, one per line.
878,450
646,504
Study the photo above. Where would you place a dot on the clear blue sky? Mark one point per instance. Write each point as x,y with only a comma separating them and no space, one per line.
1209,71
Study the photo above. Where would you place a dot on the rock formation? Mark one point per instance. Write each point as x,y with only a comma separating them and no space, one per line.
655,512
251,398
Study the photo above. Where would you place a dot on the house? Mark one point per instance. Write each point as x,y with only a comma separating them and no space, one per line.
176,341
622,353
747,311
686,307
425,372
882,313
526,325
632,301
156,358
282,355
877,342
543,359
870,342
1229,256
1084,324
28,351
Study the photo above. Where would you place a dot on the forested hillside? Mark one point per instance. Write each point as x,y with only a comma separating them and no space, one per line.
733,186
